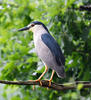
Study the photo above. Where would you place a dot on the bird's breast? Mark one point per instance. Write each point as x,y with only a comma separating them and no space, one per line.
43,51
40,47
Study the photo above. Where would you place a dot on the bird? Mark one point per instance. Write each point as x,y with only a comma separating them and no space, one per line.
47,49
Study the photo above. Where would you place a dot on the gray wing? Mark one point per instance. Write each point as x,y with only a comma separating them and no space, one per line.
54,48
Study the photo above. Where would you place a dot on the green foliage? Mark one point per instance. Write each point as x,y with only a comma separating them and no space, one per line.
70,27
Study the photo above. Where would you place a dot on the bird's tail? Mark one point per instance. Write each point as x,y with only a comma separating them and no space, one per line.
60,71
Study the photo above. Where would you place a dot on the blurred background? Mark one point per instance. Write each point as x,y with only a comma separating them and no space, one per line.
18,60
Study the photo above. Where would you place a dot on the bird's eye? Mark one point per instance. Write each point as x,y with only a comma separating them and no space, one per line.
32,25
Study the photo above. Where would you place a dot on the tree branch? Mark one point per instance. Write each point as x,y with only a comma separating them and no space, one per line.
54,86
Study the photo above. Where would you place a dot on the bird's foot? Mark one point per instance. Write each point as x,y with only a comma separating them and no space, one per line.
38,80
49,82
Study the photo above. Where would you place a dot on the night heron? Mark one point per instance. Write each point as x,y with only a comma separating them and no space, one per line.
47,50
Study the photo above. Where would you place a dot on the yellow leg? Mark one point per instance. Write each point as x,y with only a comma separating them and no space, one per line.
50,80
46,69
38,80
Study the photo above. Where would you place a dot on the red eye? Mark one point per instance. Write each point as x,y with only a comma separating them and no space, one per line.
32,25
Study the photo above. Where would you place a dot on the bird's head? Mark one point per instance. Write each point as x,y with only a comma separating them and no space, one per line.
34,26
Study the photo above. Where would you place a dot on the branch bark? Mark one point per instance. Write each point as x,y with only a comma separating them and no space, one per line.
54,86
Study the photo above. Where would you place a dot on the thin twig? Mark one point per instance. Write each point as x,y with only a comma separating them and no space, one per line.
54,86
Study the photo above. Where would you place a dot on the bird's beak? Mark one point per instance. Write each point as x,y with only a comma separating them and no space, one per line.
24,28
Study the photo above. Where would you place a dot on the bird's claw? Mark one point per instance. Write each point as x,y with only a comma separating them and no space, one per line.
49,82
38,80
